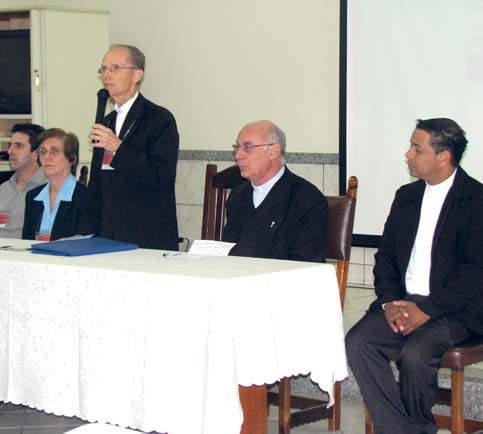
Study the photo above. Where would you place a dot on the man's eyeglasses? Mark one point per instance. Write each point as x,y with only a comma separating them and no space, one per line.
52,151
113,68
248,147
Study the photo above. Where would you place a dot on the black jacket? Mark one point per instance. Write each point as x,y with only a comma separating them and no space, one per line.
66,220
136,201
290,223
456,275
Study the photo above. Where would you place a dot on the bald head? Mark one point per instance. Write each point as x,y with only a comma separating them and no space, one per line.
261,150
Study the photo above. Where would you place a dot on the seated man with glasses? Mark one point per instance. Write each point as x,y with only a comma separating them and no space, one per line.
130,196
277,214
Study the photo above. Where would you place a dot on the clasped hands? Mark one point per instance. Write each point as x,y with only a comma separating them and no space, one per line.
404,316
103,137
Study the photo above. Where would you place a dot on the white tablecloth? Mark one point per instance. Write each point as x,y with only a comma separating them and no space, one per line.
127,337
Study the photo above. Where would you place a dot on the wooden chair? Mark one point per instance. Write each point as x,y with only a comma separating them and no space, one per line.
455,359
217,186
339,237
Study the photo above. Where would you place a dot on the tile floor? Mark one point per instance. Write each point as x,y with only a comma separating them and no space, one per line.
23,420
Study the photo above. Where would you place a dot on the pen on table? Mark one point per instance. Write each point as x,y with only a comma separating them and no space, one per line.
168,254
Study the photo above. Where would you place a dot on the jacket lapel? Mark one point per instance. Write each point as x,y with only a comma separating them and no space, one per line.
456,191
37,211
61,217
414,199
131,121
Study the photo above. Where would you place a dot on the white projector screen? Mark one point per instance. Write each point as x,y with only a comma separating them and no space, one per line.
408,60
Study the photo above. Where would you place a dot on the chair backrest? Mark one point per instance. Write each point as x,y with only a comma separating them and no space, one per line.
217,186
339,232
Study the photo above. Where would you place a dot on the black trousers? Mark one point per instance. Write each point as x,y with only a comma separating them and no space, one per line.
406,410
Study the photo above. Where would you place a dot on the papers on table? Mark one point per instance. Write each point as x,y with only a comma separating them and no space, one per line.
210,248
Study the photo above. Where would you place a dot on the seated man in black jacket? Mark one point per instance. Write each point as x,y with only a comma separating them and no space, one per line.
277,214
428,280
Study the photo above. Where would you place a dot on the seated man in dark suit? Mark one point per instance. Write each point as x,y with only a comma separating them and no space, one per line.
277,214
428,280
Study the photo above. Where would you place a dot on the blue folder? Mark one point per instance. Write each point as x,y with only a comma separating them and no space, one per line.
82,246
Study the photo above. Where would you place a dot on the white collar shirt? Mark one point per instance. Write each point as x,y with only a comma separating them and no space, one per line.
260,192
419,268
122,112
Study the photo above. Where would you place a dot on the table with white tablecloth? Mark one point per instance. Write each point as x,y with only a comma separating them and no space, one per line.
158,342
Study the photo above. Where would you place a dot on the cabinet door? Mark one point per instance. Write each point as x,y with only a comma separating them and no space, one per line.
67,48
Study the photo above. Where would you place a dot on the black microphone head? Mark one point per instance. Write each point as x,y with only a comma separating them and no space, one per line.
102,97
102,94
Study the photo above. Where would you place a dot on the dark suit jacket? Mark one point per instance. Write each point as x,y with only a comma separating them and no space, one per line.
66,220
136,201
290,223
456,276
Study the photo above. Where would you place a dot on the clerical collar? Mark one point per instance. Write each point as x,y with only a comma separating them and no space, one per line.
260,192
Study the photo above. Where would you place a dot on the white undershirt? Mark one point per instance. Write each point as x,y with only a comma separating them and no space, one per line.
417,273
260,191
122,112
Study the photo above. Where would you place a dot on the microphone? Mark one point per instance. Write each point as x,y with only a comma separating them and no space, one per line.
102,97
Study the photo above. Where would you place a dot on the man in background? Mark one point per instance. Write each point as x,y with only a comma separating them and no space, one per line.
22,157
277,214
130,195
428,281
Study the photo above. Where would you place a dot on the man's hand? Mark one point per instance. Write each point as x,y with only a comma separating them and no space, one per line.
395,317
412,314
103,137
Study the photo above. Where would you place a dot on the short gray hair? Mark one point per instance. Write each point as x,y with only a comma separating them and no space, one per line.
276,135
136,56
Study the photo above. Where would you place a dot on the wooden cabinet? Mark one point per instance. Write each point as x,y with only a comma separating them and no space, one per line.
66,47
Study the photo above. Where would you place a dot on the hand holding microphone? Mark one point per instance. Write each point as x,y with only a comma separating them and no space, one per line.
101,136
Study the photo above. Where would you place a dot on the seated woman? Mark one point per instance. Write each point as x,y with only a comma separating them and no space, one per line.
53,210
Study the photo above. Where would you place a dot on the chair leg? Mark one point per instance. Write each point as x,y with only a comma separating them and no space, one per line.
457,402
334,419
284,406
368,421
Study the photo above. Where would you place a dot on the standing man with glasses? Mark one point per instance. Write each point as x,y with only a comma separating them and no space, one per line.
277,214
130,194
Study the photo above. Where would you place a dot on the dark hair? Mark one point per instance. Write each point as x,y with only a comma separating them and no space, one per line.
445,134
70,141
31,130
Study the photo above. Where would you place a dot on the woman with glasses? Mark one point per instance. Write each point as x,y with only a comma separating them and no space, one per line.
53,210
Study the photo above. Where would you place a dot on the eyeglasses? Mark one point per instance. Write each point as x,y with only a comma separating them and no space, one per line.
113,68
52,151
248,147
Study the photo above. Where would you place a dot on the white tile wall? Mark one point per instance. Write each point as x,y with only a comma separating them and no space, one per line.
313,173
331,179
190,180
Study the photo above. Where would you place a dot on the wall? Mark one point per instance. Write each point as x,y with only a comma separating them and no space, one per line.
218,64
